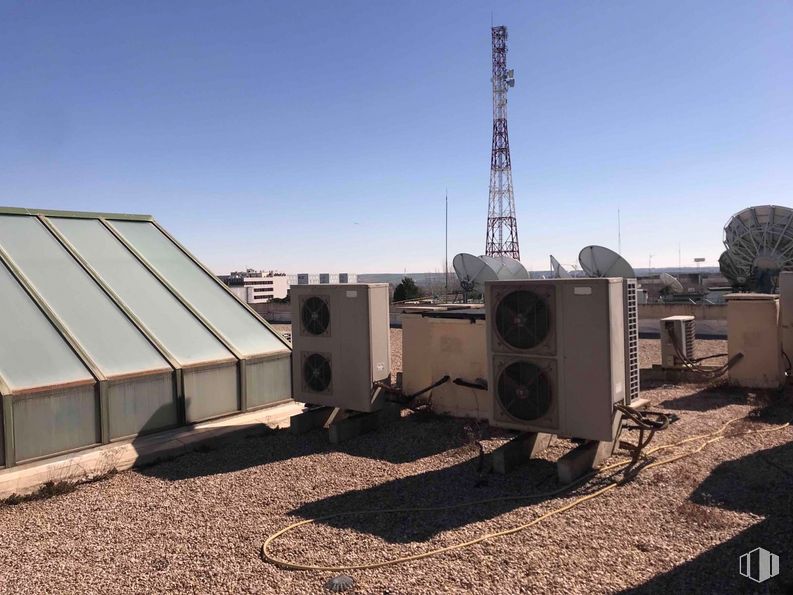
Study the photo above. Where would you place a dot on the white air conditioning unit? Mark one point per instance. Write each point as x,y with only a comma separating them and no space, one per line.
561,353
677,339
341,343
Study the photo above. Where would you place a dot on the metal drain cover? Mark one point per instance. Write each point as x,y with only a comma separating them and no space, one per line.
341,583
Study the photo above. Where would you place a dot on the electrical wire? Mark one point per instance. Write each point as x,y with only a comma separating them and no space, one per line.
710,438
788,368
693,365
407,399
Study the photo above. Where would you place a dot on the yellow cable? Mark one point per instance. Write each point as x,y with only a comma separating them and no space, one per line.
713,437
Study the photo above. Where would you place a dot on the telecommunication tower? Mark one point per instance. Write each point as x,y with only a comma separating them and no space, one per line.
502,225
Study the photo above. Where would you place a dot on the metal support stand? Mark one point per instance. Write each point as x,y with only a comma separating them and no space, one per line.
343,424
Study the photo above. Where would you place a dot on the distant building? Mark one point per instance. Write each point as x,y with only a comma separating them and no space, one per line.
257,287
321,278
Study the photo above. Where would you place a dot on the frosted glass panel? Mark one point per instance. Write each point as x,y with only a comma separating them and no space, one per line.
237,325
92,318
165,317
32,353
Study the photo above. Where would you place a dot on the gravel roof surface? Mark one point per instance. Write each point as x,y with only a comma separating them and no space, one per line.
196,523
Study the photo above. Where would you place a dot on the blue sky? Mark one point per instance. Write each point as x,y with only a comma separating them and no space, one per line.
312,136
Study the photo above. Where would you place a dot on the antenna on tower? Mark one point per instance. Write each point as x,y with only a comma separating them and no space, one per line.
502,225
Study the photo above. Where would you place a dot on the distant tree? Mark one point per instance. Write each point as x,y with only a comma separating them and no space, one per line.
406,290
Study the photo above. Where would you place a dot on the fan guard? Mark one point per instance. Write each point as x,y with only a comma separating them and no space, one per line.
523,319
317,372
524,391
315,315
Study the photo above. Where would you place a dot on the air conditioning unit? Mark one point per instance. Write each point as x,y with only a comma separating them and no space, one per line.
561,353
341,343
677,339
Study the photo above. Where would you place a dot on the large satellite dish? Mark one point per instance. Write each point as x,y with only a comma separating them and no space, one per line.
513,269
759,242
671,285
506,268
494,263
598,261
559,272
472,271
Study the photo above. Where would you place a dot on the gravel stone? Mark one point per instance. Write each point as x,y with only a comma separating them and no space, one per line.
196,523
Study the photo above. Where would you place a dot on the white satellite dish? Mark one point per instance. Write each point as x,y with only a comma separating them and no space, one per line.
513,269
598,261
472,270
506,268
494,263
671,285
559,272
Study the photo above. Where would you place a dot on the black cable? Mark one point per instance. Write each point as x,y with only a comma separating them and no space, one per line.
467,384
697,360
407,399
692,365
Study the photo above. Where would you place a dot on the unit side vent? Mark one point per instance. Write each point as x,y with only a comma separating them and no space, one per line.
691,332
632,341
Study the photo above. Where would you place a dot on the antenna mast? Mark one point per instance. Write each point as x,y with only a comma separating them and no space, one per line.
502,225
446,257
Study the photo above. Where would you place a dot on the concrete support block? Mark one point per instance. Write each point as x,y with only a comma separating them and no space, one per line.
310,419
588,456
519,450
361,423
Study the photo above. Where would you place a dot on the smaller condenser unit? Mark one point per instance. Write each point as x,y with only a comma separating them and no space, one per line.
341,343
677,340
557,351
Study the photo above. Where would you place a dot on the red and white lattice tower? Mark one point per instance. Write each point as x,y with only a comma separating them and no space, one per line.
502,225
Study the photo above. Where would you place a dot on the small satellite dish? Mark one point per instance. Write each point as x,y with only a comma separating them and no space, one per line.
671,285
598,261
559,272
472,270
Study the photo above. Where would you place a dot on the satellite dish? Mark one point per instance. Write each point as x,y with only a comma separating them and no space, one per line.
671,285
506,268
559,272
598,261
513,269
472,270
494,263
759,240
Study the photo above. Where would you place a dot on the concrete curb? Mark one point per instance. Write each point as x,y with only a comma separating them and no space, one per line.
120,456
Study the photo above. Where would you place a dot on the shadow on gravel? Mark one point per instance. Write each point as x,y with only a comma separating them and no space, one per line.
760,484
408,439
708,398
441,487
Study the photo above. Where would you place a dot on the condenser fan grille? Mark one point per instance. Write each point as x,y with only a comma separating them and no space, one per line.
316,372
524,391
523,319
315,315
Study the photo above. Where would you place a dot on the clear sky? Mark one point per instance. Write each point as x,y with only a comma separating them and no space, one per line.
320,135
